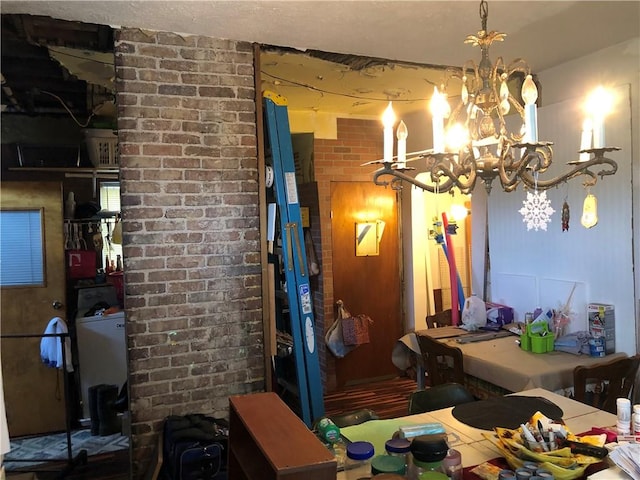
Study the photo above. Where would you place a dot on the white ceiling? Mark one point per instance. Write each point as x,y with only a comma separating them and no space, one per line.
545,33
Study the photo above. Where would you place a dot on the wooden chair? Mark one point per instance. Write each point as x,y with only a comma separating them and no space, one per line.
440,319
443,363
611,380
440,396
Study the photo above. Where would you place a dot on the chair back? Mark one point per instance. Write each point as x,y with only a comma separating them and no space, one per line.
611,380
440,396
443,363
440,319
353,418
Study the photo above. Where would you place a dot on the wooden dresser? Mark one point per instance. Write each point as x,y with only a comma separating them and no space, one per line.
267,441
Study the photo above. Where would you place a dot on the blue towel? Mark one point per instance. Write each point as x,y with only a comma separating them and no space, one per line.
51,347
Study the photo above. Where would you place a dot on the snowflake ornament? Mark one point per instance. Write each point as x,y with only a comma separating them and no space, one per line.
536,211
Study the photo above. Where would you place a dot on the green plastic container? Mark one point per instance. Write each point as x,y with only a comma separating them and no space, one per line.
540,338
387,464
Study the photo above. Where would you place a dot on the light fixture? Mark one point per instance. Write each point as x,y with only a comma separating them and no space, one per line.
485,148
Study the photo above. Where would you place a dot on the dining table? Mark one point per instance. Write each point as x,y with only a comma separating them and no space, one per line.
471,441
494,363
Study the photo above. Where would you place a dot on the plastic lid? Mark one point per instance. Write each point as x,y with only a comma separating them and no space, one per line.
387,464
360,450
429,448
401,445
432,476
636,408
623,402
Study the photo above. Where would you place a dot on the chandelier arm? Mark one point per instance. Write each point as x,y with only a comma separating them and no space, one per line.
579,168
512,174
519,65
399,177
465,167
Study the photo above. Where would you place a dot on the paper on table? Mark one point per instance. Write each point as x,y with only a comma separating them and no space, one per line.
627,457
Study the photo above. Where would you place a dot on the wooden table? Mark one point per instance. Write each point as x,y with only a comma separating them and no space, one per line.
470,442
503,363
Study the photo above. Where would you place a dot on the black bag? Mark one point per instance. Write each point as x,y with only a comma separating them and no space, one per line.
194,448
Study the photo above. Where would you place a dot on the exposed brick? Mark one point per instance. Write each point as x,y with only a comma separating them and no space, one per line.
191,231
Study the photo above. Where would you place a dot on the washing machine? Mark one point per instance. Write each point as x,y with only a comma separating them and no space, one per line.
101,340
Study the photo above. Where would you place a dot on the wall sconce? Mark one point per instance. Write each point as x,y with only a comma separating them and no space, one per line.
368,236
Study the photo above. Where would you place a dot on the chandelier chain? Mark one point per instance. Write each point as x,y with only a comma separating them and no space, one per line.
484,14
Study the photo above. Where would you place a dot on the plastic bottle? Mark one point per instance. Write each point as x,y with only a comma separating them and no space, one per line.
70,206
635,420
357,465
327,430
428,452
623,407
399,447
453,464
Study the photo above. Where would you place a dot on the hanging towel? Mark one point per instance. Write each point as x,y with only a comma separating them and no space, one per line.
51,348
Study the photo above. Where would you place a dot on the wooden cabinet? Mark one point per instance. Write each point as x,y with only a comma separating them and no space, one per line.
267,441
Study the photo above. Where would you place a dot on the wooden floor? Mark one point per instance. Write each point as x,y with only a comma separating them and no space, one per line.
387,398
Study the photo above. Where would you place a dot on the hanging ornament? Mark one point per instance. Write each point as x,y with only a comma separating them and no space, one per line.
589,211
565,216
536,210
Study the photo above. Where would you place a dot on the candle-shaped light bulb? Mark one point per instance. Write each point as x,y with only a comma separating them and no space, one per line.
402,133
530,95
457,137
438,110
388,119
599,105
585,139
529,91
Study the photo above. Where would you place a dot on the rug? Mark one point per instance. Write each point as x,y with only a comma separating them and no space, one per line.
54,447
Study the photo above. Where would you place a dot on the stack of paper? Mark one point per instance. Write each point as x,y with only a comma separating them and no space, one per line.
627,457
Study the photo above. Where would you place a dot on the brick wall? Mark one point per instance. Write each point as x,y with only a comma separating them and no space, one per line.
188,157
339,160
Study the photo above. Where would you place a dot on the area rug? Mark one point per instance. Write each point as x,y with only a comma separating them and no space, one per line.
48,448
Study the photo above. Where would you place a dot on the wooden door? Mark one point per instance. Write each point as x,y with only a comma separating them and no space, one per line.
34,393
369,285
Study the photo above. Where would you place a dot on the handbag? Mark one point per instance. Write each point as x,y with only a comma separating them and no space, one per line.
334,338
355,330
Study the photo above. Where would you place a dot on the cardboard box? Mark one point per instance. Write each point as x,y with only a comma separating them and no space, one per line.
602,324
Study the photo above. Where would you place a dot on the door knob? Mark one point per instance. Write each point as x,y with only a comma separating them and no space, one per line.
57,305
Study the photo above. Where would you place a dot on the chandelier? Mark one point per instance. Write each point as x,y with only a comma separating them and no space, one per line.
477,142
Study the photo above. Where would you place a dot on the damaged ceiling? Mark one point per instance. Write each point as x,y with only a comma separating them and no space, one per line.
72,60
55,67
